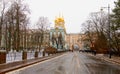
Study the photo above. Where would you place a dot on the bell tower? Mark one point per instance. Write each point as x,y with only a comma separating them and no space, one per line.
59,23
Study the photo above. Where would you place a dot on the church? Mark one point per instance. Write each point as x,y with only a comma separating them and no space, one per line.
60,40
57,34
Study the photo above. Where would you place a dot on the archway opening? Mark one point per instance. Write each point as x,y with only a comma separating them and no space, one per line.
75,47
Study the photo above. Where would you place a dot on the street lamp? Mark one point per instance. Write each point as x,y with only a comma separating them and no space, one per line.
108,7
108,18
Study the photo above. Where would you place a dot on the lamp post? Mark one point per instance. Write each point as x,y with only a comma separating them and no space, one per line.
108,7
69,41
108,17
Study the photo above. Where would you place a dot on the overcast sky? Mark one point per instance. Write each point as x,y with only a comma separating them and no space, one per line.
75,12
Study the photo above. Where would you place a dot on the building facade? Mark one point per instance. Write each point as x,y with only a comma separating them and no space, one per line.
57,34
74,41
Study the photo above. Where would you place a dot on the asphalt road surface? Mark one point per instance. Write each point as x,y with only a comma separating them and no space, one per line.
72,63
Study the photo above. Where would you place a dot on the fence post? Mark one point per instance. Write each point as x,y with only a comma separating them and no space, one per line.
24,55
2,56
36,54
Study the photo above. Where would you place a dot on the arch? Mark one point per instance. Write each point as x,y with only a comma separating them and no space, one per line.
75,46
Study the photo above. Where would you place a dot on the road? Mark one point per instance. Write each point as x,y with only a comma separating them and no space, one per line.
72,63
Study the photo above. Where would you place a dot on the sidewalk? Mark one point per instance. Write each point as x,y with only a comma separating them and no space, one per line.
7,67
113,59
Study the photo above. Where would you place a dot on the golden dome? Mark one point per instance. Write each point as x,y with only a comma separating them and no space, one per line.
59,23
58,20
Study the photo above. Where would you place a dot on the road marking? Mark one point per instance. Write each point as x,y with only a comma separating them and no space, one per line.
78,63
75,63
77,60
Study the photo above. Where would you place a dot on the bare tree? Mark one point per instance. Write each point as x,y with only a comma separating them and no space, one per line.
99,21
17,18
2,18
42,25
89,28
96,28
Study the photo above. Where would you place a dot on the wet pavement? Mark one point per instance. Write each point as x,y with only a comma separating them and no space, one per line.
72,63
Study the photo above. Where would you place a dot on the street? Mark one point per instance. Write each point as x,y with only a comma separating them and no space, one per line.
72,63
